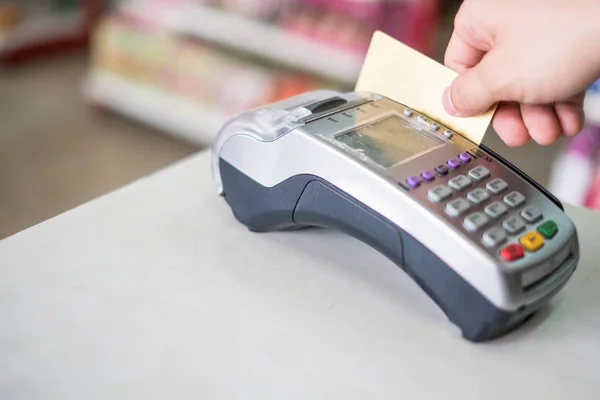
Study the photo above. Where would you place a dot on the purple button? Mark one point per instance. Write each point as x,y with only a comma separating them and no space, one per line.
465,157
413,181
428,175
454,163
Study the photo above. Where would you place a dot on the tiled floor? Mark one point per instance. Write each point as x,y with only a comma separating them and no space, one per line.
56,152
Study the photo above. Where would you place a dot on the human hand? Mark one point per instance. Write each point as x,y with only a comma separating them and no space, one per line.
535,57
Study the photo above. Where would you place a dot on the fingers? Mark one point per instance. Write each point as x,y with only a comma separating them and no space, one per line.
461,55
516,123
509,125
474,91
570,115
541,122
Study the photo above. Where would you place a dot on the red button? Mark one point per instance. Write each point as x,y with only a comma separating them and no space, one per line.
512,252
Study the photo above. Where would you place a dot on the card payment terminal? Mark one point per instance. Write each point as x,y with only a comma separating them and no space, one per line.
488,244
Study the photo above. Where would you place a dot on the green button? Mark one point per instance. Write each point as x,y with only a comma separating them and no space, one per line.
548,229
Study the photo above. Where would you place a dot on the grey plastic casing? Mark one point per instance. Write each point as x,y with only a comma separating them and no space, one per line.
286,139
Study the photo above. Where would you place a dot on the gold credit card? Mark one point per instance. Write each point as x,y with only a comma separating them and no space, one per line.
406,76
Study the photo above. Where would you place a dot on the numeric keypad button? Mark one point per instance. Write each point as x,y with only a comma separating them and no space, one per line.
496,186
457,207
479,173
514,199
439,193
478,196
494,237
459,183
513,224
475,221
496,209
531,214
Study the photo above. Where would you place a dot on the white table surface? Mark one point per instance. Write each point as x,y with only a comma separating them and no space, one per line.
156,292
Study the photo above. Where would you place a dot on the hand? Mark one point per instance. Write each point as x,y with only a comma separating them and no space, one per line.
535,57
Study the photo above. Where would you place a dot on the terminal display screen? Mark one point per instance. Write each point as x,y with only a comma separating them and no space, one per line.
388,142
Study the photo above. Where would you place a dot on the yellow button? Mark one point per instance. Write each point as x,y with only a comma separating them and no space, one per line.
532,241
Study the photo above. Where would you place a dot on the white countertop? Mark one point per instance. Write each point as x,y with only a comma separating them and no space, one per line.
156,292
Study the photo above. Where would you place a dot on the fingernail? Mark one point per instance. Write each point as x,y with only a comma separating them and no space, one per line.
447,102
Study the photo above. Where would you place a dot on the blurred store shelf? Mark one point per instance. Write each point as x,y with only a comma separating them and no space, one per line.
243,34
42,28
183,65
151,106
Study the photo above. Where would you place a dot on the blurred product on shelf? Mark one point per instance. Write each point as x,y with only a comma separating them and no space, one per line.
192,69
575,174
346,23
261,9
9,17
332,25
217,81
34,27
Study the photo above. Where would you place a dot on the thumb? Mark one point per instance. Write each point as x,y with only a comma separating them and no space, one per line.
472,92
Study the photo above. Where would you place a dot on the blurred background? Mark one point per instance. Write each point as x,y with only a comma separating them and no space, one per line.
95,94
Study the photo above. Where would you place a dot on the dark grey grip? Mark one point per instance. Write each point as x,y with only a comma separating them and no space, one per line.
306,200
261,209
322,205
